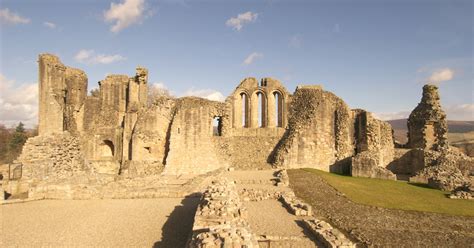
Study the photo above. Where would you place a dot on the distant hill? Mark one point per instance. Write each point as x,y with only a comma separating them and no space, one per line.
453,126
461,133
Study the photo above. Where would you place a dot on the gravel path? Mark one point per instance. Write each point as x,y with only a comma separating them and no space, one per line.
105,223
379,226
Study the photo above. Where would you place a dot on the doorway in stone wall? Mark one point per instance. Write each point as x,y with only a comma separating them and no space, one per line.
107,148
217,126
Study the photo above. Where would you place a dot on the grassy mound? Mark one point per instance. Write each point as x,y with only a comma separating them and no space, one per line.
396,194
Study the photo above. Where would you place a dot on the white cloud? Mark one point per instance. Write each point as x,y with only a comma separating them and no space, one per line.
90,57
50,25
209,94
12,18
125,14
252,57
440,75
461,112
238,22
18,103
392,115
83,55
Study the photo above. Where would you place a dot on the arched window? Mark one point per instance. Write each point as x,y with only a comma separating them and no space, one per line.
278,108
245,109
262,113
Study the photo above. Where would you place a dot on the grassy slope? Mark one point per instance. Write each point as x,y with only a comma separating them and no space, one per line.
396,194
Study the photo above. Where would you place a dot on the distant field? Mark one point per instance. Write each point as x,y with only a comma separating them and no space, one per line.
396,194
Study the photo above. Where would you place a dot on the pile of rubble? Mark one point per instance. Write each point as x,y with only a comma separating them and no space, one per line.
220,219
447,169
464,192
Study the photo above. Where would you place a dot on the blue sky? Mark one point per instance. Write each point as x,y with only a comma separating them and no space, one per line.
375,55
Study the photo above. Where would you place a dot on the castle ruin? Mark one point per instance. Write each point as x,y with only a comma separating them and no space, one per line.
120,135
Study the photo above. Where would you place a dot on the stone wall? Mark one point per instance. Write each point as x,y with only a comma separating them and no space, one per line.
61,94
407,161
320,131
150,136
49,158
374,145
247,152
270,94
191,146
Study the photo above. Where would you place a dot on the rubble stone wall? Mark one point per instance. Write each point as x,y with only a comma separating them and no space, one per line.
51,157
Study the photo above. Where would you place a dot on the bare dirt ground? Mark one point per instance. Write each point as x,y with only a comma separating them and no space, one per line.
98,223
380,227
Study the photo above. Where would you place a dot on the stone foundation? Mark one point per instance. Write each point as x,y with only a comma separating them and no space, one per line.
219,220
327,235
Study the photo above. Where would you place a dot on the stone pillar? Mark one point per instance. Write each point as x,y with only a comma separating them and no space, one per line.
264,110
271,105
246,110
52,94
254,110
282,107
237,111
285,104
76,84
142,80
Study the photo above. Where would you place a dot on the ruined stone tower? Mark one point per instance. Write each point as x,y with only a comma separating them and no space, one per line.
427,125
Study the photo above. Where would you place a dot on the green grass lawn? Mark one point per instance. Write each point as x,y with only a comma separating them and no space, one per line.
396,194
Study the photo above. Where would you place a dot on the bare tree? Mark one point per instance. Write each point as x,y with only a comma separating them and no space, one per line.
157,94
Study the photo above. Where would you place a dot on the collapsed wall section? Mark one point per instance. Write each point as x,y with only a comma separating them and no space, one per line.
51,158
374,145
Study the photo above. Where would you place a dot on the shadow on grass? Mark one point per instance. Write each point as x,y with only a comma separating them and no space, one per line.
320,172
421,185
178,227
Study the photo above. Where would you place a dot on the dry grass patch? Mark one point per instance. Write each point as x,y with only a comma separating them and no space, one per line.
396,194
